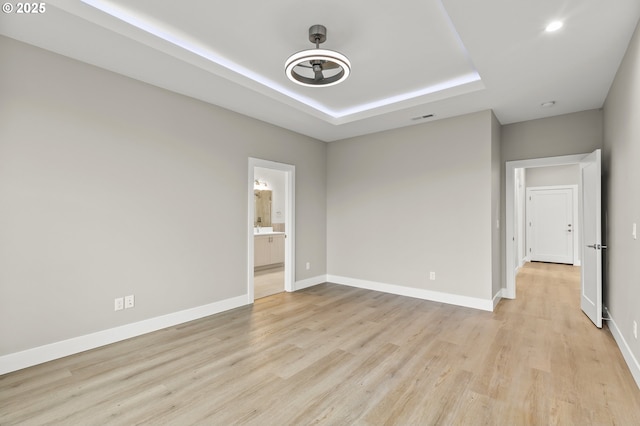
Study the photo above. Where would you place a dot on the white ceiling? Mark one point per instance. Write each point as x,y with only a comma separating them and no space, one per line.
409,58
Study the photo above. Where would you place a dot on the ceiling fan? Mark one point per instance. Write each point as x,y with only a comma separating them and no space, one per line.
317,67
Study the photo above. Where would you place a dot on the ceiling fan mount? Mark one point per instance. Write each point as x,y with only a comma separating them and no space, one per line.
317,34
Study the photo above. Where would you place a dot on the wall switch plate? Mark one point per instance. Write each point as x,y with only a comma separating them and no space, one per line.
129,302
635,329
308,266
634,231
118,304
432,276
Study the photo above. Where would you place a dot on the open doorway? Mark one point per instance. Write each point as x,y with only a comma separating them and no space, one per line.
590,217
270,233
515,201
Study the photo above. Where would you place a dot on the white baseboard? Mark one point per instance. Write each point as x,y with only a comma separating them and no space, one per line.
418,293
309,282
27,358
631,360
499,295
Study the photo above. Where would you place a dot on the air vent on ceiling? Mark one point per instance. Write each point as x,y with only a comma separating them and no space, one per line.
422,117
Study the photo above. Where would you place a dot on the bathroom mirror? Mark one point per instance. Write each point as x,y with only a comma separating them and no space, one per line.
263,207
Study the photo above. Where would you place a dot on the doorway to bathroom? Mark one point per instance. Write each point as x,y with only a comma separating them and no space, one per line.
270,237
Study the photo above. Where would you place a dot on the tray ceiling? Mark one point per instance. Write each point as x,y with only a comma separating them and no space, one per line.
409,59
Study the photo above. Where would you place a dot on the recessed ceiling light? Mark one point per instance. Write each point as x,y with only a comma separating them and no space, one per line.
553,26
548,104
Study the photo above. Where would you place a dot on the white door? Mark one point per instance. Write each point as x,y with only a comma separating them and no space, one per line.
591,276
550,220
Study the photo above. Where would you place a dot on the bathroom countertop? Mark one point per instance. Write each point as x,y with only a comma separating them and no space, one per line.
257,234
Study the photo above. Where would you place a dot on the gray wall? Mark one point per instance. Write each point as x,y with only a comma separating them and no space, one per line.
622,186
408,201
110,187
567,134
553,175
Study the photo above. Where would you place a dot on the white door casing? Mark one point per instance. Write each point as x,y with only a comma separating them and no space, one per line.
591,272
551,219
511,168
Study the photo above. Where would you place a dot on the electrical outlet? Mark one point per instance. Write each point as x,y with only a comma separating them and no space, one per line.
432,276
308,265
635,329
118,304
129,301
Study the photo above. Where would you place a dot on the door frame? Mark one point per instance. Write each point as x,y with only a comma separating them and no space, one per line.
510,231
289,242
574,214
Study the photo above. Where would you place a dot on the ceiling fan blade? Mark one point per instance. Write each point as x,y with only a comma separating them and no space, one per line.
330,65
326,65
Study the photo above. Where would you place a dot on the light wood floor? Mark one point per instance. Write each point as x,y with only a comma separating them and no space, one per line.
338,355
267,282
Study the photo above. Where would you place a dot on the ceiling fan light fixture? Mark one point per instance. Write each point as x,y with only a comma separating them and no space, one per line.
317,67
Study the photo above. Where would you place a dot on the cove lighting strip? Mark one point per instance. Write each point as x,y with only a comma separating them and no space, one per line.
183,41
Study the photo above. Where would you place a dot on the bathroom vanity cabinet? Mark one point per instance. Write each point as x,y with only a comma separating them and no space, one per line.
268,249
